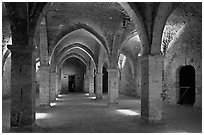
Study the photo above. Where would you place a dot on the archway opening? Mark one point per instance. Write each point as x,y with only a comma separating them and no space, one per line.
71,83
186,85
72,76
105,80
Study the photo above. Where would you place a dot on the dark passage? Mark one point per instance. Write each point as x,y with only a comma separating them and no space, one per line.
187,85
72,83
105,80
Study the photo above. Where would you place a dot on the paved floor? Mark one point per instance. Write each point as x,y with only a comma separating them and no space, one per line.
78,113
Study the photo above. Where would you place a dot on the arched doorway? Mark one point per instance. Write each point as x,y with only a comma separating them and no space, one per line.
186,85
105,80
71,83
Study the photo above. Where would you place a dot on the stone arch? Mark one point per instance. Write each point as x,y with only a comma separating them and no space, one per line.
127,42
180,92
55,63
5,56
163,13
81,58
58,45
86,27
38,12
106,64
129,37
73,48
132,11
76,45
6,26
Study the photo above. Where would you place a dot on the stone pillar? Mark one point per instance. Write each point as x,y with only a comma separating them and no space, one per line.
44,85
57,87
113,84
44,82
22,86
59,84
86,82
53,79
91,85
99,83
151,89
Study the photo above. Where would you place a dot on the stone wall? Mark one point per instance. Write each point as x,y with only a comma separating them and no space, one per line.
137,66
184,49
6,78
86,82
73,68
127,81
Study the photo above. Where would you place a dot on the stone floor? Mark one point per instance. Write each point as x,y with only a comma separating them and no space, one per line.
80,113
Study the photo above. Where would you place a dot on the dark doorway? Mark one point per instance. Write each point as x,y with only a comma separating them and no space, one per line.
186,85
105,80
71,83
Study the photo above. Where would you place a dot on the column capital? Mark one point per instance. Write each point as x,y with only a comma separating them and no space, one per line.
44,67
21,48
112,69
99,73
91,75
152,57
52,70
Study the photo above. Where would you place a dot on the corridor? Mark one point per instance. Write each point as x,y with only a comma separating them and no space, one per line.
78,112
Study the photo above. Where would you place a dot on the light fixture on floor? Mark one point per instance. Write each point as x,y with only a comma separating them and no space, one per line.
87,94
128,112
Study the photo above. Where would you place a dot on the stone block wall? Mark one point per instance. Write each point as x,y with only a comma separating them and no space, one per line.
127,85
184,49
86,83
6,79
137,82
73,68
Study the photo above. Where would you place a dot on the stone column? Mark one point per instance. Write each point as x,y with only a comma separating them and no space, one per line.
99,83
57,87
86,82
22,86
151,89
59,84
44,85
113,84
91,85
53,80
44,66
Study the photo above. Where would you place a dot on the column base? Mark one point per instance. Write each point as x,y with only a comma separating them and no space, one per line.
113,104
152,112
23,129
99,97
153,121
92,95
44,106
